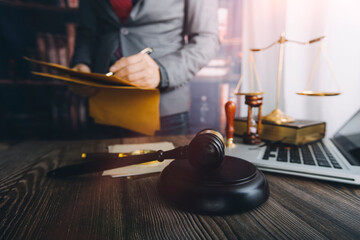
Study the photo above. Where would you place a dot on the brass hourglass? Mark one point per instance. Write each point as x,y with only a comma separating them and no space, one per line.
253,130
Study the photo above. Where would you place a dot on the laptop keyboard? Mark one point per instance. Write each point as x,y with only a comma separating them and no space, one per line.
315,154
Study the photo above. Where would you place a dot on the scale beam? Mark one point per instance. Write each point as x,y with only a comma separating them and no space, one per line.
277,116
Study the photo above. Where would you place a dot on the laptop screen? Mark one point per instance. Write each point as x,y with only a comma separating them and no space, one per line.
347,139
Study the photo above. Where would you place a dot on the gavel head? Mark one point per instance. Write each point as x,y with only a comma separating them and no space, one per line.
206,151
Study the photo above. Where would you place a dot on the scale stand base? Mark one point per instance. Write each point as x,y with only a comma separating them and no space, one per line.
236,186
278,117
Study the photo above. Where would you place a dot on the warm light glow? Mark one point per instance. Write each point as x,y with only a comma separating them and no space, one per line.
223,22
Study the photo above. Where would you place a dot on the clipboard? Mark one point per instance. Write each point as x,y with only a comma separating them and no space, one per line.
81,77
118,103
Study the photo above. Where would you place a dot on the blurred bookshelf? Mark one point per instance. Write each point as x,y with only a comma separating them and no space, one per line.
34,107
54,6
42,29
32,82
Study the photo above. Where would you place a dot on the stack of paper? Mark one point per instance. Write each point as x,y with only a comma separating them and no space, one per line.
138,169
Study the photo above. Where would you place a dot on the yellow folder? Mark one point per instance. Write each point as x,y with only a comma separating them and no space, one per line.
118,103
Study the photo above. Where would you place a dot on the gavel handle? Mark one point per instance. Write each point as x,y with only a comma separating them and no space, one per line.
107,161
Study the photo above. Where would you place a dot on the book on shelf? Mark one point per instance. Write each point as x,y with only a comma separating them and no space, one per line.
70,36
58,3
51,48
61,3
41,48
62,50
296,133
73,3
56,48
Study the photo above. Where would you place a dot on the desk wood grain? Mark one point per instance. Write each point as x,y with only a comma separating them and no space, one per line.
94,207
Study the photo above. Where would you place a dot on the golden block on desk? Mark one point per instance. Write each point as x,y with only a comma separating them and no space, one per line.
295,133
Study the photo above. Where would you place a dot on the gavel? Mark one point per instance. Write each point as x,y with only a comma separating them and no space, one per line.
201,179
205,153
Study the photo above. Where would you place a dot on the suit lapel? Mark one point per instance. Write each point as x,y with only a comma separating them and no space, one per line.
108,12
136,9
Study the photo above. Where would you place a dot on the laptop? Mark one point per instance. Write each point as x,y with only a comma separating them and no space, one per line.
336,159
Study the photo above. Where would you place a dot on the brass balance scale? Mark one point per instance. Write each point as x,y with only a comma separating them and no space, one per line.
277,116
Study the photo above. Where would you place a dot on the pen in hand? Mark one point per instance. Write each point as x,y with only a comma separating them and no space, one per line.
147,50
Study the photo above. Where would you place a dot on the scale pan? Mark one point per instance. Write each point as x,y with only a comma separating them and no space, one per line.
318,94
250,93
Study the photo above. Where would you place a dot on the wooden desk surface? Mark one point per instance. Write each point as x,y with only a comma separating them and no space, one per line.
94,207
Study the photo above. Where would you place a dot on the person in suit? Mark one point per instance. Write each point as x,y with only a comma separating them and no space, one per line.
182,34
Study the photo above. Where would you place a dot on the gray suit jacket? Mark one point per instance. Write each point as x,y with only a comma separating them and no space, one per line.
160,24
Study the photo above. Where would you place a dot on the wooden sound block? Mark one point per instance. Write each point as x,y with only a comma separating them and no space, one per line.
235,186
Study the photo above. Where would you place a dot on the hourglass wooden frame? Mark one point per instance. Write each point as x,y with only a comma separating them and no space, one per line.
251,137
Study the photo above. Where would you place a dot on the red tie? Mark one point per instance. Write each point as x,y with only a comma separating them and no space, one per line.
122,8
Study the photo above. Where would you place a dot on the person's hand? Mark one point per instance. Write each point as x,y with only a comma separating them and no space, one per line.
139,69
79,89
82,68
